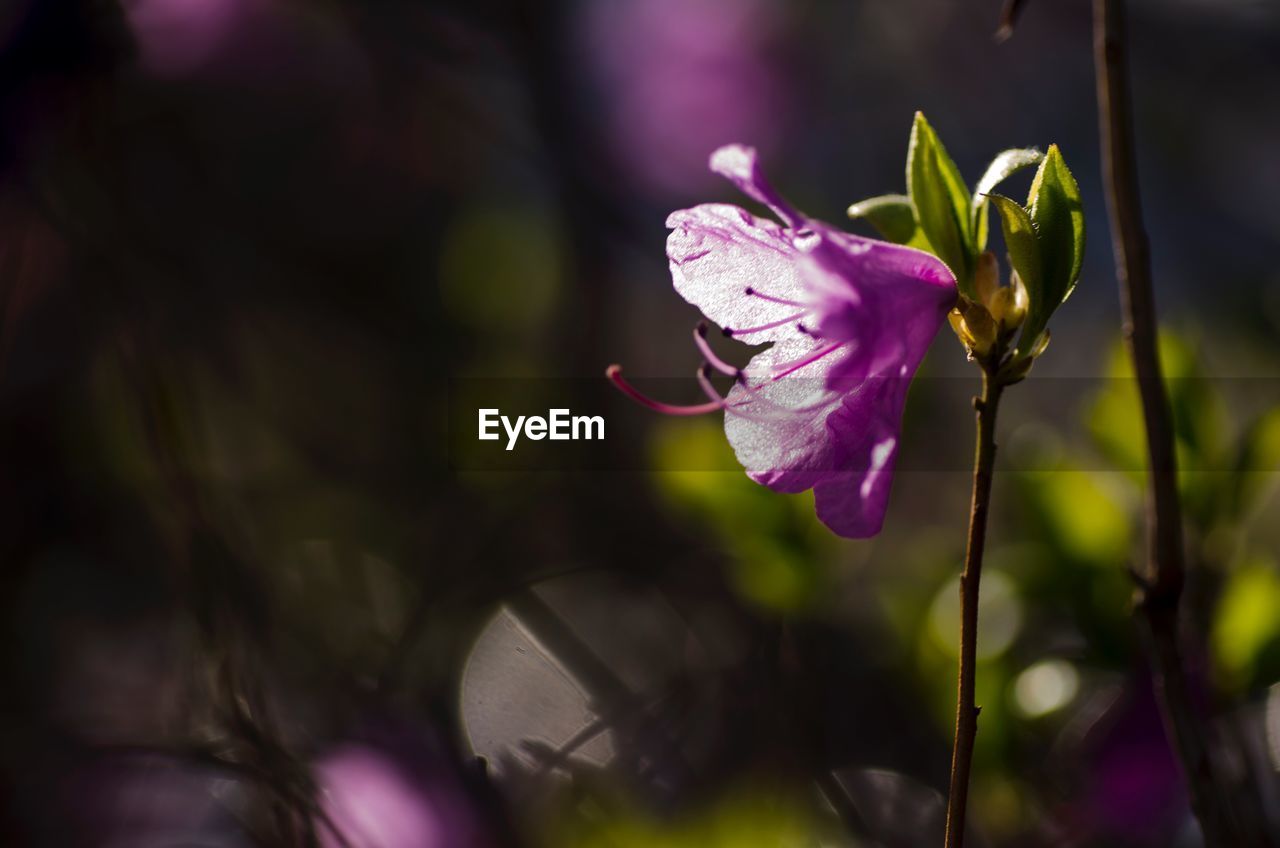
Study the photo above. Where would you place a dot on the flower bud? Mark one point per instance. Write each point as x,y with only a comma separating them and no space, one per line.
974,326
1005,308
986,277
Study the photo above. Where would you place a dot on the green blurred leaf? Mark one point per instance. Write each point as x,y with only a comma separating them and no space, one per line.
1006,164
743,819
942,202
1084,515
502,268
1246,626
776,548
1255,464
892,216
1114,420
1054,204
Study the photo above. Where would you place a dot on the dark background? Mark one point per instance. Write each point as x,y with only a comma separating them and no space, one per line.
246,246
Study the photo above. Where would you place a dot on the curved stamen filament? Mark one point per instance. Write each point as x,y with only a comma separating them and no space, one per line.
700,339
782,369
737,407
750,292
704,380
614,373
781,322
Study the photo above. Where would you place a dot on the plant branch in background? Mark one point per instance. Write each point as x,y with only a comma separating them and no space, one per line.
1008,19
1160,581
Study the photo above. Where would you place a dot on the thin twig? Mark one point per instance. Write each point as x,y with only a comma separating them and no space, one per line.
1008,18
966,710
1161,579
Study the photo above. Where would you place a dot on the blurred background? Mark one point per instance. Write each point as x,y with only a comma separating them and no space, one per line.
247,246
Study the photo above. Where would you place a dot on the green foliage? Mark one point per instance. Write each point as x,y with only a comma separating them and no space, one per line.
1221,481
939,214
1019,238
1255,463
775,544
1246,629
746,819
1005,165
1083,515
502,267
1045,240
893,217
1114,421
1055,209
942,203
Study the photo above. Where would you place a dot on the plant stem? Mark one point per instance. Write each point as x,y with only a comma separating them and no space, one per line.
966,710
1161,580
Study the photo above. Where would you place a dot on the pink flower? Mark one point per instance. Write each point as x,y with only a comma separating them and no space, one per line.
848,320
372,801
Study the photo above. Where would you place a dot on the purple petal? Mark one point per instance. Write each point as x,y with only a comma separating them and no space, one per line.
778,430
740,165
741,271
887,297
834,425
866,430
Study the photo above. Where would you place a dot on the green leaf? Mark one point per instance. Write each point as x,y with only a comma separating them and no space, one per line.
1085,515
1258,451
1056,210
891,215
1023,244
1246,629
1054,224
1006,164
775,547
1200,428
942,202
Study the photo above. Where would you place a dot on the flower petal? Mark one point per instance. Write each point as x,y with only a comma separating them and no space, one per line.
741,165
883,307
866,431
777,427
884,296
740,270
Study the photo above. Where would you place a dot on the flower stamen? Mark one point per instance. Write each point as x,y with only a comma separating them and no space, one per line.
751,292
781,322
782,369
700,339
614,374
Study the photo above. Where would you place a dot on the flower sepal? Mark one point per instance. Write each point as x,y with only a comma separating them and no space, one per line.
977,330
1016,368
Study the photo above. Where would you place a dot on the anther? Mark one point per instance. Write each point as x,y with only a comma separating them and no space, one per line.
749,291
700,340
781,322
